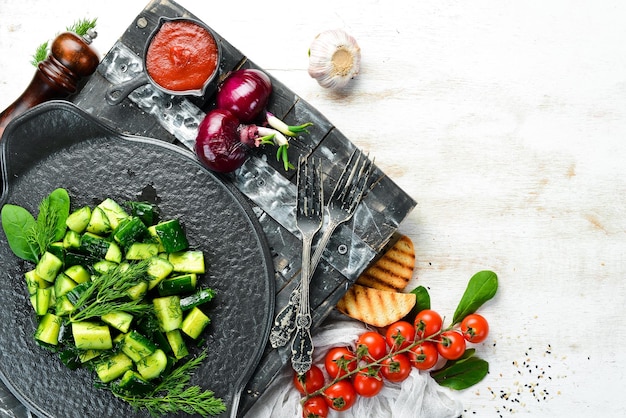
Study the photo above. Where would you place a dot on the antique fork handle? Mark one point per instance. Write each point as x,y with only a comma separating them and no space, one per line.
285,321
302,344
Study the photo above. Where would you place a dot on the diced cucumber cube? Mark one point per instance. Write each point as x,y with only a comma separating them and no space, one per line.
99,223
158,269
177,343
79,219
118,320
142,251
114,212
78,273
113,367
63,284
48,329
71,239
168,312
48,266
151,367
172,236
187,261
91,336
194,323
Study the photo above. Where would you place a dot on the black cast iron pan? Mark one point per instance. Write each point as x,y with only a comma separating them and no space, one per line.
58,145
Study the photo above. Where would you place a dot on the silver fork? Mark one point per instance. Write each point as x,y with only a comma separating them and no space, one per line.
309,220
341,206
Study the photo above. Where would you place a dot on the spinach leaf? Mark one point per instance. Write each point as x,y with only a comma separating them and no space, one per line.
18,225
59,204
481,287
462,373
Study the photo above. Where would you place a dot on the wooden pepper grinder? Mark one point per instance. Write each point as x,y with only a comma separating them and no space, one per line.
71,58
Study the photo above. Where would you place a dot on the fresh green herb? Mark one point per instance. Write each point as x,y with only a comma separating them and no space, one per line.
41,53
29,237
462,373
108,293
50,227
422,301
80,27
174,394
17,224
481,287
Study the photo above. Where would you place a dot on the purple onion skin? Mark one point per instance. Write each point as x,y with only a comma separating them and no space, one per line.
218,145
245,93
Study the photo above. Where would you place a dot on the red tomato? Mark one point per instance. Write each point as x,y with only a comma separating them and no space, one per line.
475,328
375,344
427,323
451,345
367,383
309,382
315,407
339,361
400,335
340,396
396,368
424,356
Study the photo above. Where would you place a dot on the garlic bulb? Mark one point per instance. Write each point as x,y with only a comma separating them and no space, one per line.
334,58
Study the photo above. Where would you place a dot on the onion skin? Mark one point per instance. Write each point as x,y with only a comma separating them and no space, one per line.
218,145
245,94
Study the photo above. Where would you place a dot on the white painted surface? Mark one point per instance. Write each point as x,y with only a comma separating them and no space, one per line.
505,120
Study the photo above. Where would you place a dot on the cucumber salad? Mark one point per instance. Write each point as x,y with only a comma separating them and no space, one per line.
118,291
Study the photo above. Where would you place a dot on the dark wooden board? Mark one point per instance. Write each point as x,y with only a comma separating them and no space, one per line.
384,207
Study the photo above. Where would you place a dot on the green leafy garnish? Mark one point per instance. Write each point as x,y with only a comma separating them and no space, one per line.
174,395
80,27
109,293
462,373
481,287
29,237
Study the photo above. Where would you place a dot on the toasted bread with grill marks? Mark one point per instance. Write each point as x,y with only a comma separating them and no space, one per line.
375,307
393,270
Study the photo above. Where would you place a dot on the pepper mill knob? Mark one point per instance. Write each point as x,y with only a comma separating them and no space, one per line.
71,58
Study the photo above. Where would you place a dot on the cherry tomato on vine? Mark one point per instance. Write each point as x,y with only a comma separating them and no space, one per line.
339,361
309,382
315,407
451,345
374,342
396,368
340,396
427,323
475,328
367,383
400,335
424,356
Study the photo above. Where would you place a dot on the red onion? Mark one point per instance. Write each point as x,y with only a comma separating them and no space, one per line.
245,94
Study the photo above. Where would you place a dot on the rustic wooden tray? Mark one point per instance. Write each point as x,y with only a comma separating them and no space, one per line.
262,180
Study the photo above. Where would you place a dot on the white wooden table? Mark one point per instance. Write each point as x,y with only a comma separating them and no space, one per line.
504,120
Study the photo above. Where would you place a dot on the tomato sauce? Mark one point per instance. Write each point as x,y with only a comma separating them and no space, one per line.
182,56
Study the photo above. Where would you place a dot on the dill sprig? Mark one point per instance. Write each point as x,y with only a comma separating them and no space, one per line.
108,293
43,232
80,27
174,394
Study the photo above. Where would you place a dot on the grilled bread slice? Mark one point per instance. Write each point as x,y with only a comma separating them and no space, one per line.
375,307
393,270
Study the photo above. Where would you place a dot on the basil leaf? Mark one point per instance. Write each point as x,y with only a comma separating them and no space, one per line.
422,301
463,373
481,287
59,203
18,225
422,298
